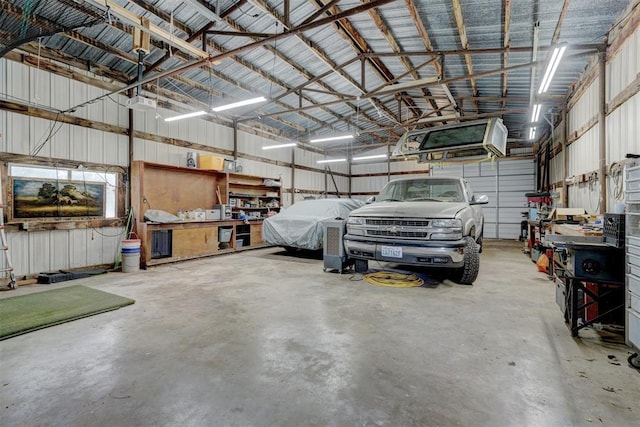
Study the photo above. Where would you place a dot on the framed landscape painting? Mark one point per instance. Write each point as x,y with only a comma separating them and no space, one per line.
43,198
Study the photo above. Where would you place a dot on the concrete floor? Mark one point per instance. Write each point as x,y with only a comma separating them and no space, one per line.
259,338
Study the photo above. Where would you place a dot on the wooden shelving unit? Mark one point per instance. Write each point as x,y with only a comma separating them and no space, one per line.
173,188
253,195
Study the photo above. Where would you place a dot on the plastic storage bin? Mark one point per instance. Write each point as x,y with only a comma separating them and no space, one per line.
224,234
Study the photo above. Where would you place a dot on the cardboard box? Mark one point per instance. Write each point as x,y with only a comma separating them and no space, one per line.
208,161
569,214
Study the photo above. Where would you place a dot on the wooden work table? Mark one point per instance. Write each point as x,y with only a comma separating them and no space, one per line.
178,241
573,230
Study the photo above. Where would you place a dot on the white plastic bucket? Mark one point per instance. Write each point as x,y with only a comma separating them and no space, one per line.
130,255
130,263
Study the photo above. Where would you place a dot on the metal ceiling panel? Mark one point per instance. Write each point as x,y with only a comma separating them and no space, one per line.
325,63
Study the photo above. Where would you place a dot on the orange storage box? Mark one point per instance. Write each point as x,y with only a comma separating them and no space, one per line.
208,161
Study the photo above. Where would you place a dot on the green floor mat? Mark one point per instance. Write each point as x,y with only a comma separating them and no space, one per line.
26,313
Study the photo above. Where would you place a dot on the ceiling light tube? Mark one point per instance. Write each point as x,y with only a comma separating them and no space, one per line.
532,133
239,104
270,147
552,66
373,156
185,116
535,115
332,160
331,138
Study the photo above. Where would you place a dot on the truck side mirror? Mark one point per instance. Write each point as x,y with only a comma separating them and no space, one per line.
480,200
371,200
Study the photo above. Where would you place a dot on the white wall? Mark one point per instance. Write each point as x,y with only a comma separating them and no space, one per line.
35,252
42,251
622,127
505,182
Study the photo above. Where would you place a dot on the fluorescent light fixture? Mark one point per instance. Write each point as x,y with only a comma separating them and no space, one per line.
532,133
239,104
535,115
552,66
185,116
270,147
332,160
373,156
331,138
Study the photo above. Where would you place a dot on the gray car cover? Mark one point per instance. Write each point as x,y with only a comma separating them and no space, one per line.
300,225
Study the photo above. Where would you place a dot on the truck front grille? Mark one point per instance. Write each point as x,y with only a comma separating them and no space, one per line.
398,222
405,234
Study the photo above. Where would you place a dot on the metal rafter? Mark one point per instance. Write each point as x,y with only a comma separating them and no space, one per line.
359,44
426,40
157,32
212,58
303,71
464,41
556,32
453,80
506,43
388,35
272,50
323,56
242,31
45,24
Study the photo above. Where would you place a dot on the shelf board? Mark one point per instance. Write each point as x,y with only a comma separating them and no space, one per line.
248,185
256,209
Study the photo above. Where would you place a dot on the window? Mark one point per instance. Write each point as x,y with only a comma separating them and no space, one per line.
431,189
81,178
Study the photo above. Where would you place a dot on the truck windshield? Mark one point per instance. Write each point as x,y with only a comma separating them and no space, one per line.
436,190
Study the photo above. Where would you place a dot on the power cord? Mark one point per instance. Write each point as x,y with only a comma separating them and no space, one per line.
393,280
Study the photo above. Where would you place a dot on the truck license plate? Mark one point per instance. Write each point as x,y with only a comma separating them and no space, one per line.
391,251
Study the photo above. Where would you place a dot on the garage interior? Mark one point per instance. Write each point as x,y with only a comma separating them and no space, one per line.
118,114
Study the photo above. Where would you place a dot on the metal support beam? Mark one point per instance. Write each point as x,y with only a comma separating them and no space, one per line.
602,120
210,58
155,31
235,140
565,158
293,176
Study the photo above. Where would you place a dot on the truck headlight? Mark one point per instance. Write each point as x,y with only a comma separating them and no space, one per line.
446,223
354,220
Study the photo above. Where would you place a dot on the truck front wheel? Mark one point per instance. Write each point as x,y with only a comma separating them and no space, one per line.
467,274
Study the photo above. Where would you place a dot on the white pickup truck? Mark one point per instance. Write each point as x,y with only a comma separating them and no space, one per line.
431,222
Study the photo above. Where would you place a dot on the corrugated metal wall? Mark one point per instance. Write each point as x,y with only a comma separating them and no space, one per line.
622,128
371,175
505,182
33,252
